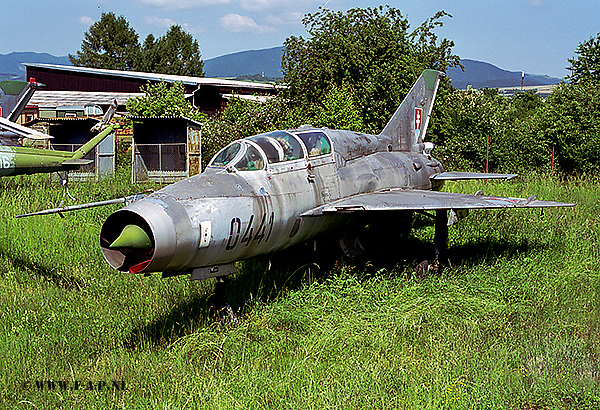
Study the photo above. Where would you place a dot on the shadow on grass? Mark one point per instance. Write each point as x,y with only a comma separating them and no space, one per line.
472,253
185,318
259,279
64,281
262,279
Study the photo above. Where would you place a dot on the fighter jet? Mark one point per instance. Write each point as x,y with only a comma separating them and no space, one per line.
16,159
271,191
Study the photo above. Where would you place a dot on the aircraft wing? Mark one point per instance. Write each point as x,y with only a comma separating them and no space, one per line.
22,131
77,161
419,200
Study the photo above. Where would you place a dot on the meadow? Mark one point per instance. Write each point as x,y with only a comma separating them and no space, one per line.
513,324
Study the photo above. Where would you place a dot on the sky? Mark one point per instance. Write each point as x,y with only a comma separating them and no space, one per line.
535,36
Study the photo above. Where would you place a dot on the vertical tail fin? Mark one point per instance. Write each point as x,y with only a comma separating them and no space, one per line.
14,96
408,125
103,128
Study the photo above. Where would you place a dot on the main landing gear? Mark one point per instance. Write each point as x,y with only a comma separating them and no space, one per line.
222,312
440,246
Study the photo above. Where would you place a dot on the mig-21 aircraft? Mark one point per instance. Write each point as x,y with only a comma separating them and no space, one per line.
270,191
16,159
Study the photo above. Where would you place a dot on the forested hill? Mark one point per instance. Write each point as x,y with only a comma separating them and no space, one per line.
480,75
267,63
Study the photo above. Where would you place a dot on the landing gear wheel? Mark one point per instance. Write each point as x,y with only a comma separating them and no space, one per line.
440,241
223,314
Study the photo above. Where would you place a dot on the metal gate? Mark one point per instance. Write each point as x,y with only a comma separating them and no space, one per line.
165,162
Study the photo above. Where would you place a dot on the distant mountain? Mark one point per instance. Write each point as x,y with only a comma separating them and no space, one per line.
266,62
480,75
11,68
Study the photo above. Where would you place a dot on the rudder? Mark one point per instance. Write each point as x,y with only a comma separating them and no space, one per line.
408,125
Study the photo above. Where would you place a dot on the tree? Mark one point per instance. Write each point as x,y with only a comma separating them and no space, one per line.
150,56
177,52
109,43
339,110
160,99
571,121
430,52
112,44
369,50
586,67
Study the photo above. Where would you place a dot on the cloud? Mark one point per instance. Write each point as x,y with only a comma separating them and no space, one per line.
243,24
255,5
184,4
86,21
537,3
294,17
260,5
159,21
165,23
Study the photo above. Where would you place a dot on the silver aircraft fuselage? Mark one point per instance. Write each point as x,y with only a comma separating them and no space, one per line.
228,214
271,191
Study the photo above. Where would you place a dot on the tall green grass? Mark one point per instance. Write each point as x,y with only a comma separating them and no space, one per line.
514,324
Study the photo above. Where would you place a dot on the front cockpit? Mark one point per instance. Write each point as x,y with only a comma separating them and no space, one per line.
259,151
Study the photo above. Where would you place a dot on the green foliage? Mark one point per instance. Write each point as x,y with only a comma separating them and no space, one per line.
340,110
430,52
369,50
243,118
571,121
586,66
109,43
177,53
523,130
163,99
469,119
151,56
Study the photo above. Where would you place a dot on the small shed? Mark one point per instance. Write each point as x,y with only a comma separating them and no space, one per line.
70,134
165,149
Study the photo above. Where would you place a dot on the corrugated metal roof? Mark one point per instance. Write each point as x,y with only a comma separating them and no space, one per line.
257,98
79,98
61,119
141,118
156,77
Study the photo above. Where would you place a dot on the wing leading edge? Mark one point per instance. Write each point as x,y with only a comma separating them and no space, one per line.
418,200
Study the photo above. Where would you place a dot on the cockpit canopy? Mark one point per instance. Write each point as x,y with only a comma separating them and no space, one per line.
254,153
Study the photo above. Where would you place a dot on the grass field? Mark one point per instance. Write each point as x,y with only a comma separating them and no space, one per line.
514,324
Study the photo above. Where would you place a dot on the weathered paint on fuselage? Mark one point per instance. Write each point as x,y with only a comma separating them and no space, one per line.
248,213
23,160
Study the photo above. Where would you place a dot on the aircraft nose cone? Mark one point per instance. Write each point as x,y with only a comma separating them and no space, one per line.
132,237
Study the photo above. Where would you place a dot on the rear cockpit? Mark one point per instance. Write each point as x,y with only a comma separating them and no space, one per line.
271,149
